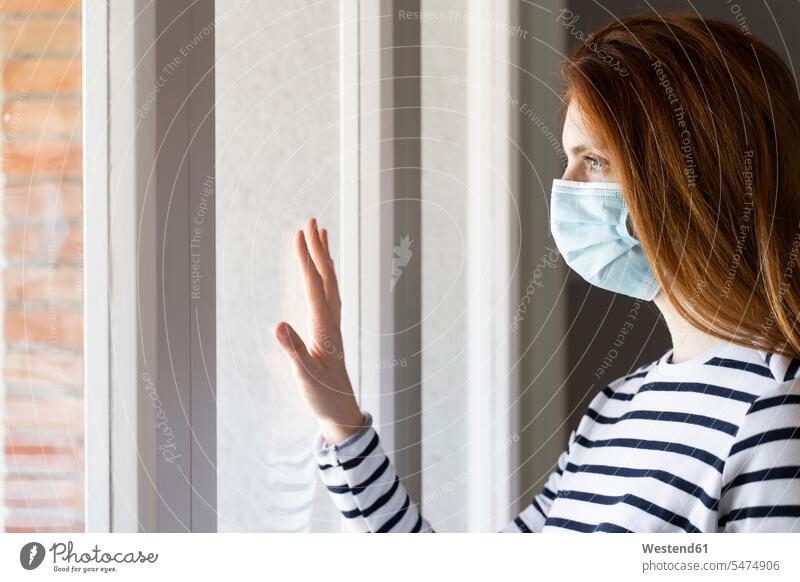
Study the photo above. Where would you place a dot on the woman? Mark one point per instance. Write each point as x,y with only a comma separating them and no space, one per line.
682,187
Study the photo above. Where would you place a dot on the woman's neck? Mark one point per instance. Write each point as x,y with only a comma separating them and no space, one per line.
687,340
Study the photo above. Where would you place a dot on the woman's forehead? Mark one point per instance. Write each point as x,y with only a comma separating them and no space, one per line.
576,134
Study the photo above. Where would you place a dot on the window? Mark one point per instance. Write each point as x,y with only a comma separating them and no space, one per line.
253,116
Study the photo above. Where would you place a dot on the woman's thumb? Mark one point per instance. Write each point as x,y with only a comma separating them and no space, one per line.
291,343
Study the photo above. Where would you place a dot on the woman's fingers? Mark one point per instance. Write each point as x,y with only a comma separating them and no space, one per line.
292,345
317,249
323,262
326,245
315,291
324,237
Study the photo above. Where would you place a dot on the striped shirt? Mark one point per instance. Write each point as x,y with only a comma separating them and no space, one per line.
711,444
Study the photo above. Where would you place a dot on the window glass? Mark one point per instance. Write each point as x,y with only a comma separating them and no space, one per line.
277,127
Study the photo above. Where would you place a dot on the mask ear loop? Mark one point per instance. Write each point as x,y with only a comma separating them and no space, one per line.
652,290
649,293
622,229
622,225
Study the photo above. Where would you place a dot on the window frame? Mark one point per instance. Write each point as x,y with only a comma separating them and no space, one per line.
155,168
388,176
97,448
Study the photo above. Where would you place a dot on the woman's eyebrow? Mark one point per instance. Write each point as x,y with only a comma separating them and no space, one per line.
576,149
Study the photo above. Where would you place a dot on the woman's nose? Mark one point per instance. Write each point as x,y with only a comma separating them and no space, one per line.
571,173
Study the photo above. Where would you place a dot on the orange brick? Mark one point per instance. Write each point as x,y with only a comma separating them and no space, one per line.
16,524
50,200
43,444
33,117
51,328
46,244
44,492
68,462
28,6
43,368
56,285
42,35
40,413
42,75
61,159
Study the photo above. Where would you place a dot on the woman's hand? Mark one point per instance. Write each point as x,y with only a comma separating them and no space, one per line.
319,367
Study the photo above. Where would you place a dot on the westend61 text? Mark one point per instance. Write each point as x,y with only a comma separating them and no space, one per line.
675,549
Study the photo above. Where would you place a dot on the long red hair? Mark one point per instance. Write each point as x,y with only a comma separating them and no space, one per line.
703,126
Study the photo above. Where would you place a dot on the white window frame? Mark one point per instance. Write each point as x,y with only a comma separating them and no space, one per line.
493,289
382,124
140,171
97,479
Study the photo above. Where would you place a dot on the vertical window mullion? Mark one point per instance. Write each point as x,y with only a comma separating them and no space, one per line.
96,249
163,304
389,46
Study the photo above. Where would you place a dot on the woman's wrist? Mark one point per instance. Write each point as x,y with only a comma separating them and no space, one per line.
337,431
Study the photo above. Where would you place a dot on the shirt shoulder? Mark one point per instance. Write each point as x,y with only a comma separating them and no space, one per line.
773,417
779,405
784,369
623,388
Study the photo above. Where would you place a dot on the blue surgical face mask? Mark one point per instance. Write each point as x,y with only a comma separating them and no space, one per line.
588,222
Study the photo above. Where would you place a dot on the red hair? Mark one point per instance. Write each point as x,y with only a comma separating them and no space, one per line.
704,131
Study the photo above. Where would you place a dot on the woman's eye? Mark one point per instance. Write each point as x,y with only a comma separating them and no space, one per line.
594,164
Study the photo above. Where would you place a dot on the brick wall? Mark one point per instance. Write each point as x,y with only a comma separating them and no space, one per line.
41,391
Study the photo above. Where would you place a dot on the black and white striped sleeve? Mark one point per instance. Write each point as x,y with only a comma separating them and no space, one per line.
367,491
365,486
761,478
532,518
